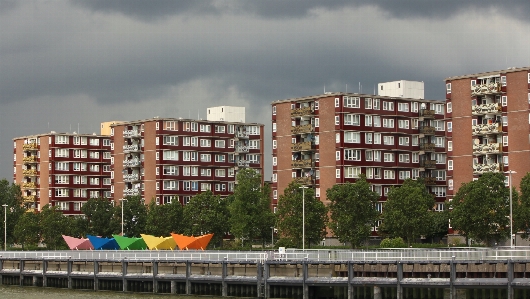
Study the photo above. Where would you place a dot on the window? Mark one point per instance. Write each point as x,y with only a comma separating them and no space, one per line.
449,146
369,155
404,174
94,167
389,174
504,101
170,170
388,123
171,140
414,107
94,155
170,125
389,157
61,139
316,122
368,138
205,128
448,88
352,119
389,106
337,155
337,173
170,185
59,192
94,181
377,121
449,126
449,106
439,109
404,141
449,164
337,102
253,144
440,142
106,142
352,102
337,120
107,155
352,137
61,179
220,143
220,158
377,156
377,138
170,155
220,173
79,166
367,103
273,110
352,154
403,123
438,124
403,107
274,144
61,152
352,172
274,161
368,120
388,140
505,120
376,104
504,140
79,153
415,157
404,158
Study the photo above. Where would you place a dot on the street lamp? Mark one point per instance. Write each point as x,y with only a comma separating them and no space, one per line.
303,216
272,236
5,226
122,202
511,215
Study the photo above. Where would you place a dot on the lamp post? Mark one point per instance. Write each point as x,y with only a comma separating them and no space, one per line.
303,216
511,215
5,226
272,236
122,202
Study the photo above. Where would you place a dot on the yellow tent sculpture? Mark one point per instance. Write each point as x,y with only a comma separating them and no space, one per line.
186,243
159,243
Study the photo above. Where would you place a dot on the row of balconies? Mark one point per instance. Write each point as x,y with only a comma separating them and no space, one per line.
491,108
490,148
484,129
30,146
490,167
487,88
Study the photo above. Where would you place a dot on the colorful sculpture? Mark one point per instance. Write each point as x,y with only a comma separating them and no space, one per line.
187,243
159,243
78,244
130,243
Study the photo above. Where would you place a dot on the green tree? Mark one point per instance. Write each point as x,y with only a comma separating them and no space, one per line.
10,195
352,209
438,226
164,219
290,218
406,211
207,213
78,226
53,225
521,208
250,213
28,230
134,216
480,209
100,214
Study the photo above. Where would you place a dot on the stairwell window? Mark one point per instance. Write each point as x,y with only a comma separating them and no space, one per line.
449,106
504,140
337,173
449,126
504,101
449,164
448,88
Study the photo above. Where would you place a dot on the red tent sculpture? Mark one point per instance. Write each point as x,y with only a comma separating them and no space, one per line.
78,244
187,243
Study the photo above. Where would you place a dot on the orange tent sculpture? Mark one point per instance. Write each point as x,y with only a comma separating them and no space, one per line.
187,243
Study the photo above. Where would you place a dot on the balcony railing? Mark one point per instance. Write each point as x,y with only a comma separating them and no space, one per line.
30,146
427,113
242,134
29,172
131,148
29,159
484,129
29,198
131,134
304,180
302,146
482,168
134,177
243,163
29,185
242,149
427,146
429,180
306,163
132,163
131,192
428,164
491,108
301,111
302,129
427,130
490,148
488,88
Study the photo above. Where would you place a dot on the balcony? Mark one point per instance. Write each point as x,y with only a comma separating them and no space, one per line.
29,185
30,159
29,199
131,192
302,146
490,148
242,149
307,163
427,147
132,163
429,180
131,177
243,163
301,111
488,88
30,146
303,180
485,129
302,129
242,134
482,168
427,130
425,113
491,108
131,148
29,172
428,163
131,134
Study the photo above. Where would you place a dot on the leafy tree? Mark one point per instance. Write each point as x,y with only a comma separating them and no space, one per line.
406,212
353,213
438,226
521,208
10,195
250,213
28,229
164,219
100,215
134,216
480,209
290,215
207,213
78,226
53,225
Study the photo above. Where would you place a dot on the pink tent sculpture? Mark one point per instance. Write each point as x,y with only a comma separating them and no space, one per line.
78,244
186,243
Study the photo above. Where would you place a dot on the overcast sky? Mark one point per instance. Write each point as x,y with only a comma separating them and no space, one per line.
66,65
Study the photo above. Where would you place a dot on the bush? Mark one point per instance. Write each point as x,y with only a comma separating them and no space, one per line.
287,243
393,243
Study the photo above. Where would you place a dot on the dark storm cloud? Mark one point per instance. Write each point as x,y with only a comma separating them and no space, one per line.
150,10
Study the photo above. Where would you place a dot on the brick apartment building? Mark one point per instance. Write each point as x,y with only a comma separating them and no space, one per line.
490,114
63,169
167,159
332,138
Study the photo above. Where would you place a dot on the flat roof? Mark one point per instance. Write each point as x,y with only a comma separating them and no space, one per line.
182,119
332,94
488,74
53,133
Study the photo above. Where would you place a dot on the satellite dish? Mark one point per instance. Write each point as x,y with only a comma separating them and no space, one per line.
476,141
295,156
311,172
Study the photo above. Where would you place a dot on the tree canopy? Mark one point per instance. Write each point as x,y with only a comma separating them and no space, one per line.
100,215
164,219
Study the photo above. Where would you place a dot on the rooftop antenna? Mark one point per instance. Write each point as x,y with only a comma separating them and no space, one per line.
359,87
346,87
374,89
